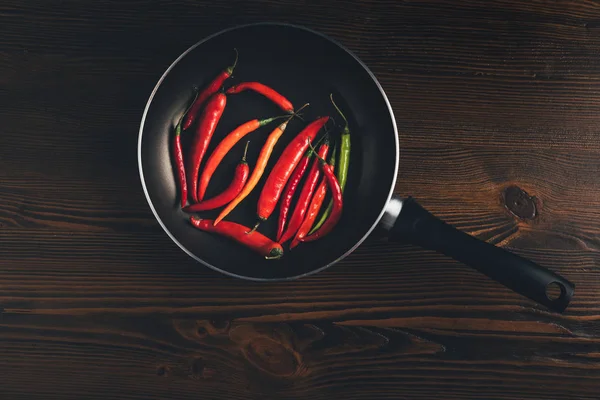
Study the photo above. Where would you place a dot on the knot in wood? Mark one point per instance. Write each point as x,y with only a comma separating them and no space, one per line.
162,370
520,203
272,357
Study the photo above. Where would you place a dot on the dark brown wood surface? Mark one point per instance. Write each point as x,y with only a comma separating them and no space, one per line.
494,100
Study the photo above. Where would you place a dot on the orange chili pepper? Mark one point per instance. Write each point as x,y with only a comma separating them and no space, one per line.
223,148
259,169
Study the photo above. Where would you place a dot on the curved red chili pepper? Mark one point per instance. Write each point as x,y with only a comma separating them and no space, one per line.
305,196
314,207
255,240
336,212
288,194
211,89
179,161
284,167
235,187
206,127
311,214
290,190
180,165
266,91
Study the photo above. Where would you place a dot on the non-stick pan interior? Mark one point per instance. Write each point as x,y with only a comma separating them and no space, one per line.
305,67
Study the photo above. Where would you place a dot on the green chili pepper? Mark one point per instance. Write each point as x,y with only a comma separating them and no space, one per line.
342,166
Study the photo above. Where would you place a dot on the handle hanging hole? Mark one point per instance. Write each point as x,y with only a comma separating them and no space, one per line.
555,290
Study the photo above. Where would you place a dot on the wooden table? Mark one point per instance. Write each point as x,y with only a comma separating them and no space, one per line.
494,100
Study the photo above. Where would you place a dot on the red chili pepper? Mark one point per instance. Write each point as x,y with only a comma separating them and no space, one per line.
314,208
206,127
284,167
223,148
180,165
255,240
311,215
336,212
290,190
178,150
235,187
266,91
288,194
211,89
305,196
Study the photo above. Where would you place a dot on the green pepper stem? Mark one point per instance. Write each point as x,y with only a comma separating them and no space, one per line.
316,153
274,254
245,151
254,228
266,121
310,151
346,129
297,113
232,67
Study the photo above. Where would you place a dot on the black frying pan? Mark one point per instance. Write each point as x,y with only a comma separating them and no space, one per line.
306,66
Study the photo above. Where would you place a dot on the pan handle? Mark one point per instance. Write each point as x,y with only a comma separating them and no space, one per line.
408,222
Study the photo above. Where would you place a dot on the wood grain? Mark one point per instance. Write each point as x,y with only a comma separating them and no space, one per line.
96,302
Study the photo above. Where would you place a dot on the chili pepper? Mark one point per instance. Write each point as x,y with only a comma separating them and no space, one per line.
315,206
259,169
266,91
211,89
342,167
223,148
311,215
177,149
206,127
180,165
284,167
338,204
289,191
256,241
305,196
235,187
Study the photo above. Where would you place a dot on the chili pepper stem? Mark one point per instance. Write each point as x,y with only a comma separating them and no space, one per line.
266,121
245,152
274,254
297,112
254,228
340,112
232,67
311,151
316,153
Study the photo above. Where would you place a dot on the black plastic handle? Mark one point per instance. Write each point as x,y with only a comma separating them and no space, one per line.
417,226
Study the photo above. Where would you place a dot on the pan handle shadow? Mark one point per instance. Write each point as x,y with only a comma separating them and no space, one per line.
406,221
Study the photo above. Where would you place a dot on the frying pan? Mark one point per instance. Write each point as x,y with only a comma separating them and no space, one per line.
306,66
